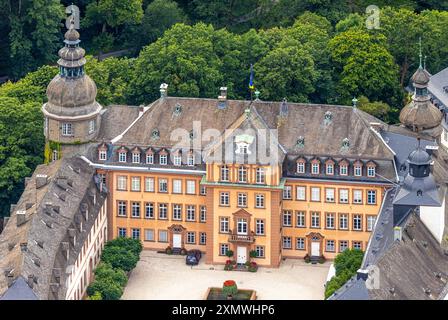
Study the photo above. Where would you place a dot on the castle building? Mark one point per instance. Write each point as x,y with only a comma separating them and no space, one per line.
264,180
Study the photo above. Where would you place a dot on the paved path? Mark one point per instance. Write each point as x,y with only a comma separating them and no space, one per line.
158,276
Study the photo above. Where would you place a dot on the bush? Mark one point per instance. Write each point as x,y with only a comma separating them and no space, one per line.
104,271
120,257
108,289
229,288
95,296
229,253
168,250
253,254
307,258
322,259
253,267
133,245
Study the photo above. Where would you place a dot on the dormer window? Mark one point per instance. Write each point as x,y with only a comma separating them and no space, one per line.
163,159
300,166
149,158
242,148
300,143
242,143
224,173
177,160
315,167
328,117
371,169
122,156
329,169
135,157
102,155
345,143
357,169
177,109
190,160
343,168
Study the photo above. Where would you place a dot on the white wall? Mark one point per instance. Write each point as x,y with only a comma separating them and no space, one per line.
434,219
81,274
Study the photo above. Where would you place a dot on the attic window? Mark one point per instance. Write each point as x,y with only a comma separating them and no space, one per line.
300,142
328,117
346,143
155,134
177,109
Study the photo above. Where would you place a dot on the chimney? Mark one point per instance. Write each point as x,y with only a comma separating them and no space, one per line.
41,180
362,274
12,208
398,234
223,95
30,281
163,90
21,217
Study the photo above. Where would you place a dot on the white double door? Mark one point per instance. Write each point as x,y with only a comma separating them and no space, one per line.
241,255
315,249
177,241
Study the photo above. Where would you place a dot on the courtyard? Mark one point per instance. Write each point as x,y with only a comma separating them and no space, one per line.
163,277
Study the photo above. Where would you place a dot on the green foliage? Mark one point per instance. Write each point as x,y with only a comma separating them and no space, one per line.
95,296
346,264
132,245
114,13
105,271
108,289
229,253
119,257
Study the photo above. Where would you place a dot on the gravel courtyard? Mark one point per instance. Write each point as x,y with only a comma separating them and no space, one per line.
162,277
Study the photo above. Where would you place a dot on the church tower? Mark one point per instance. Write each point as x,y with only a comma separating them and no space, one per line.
420,115
72,115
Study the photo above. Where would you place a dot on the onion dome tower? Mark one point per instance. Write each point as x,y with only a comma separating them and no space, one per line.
72,115
420,115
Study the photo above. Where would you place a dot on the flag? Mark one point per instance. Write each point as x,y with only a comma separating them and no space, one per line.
251,81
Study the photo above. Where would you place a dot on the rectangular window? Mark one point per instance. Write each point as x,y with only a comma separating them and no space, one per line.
177,160
287,193
122,182
149,210
330,169
224,225
260,251
371,197
135,184
224,199
203,190
343,170
149,235
300,219
190,160
163,159
135,209
135,233
149,184
357,222
370,222
242,200
300,167
177,212
122,157
315,220
343,245
191,187
163,185
315,168
329,195
91,126
286,242
150,159
191,213
343,221
136,158
259,227
177,186
357,245
357,196
122,208
241,226
191,237
358,171
315,194
242,174
260,176
202,238
67,129
223,248
224,173
163,211
300,243
329,220
330,246
203,217
343,195
102,155
287,218
163,236
371,171
259,201
122,232
301,193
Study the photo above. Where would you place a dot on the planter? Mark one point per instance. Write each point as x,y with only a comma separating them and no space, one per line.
214,293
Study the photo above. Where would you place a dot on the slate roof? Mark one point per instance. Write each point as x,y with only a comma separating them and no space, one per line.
115,119
436,84
34,249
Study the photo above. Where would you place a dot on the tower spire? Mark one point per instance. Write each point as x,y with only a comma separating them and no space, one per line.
420,51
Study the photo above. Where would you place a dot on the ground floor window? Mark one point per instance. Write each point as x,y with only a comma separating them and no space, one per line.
357,245
300,243
202,238
136,234
343,245
122,232
149,235
260,251
163,236
329,246
223,248
286,242
191,237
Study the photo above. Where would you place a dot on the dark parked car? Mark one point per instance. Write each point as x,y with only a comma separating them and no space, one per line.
193,257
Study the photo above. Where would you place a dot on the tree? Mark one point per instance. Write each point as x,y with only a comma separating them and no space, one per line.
114,13
131,245
377,108
364,67
108,289
349,260
105,271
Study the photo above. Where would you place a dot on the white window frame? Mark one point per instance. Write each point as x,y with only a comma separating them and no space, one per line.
260,176
371,194
122,156
357,196
163,159
224,173
177,186
135,183
315,194
301,193
163,182
122,183
150,232
191,187
357,170
224,224
203,214
287,193
163,208
242,174
224,199
149,184
190,160
163,238
330,195
102,155
370,222
150,158
286,243
242,200
357,222
344,192
91,126
315,168
259,227
343,221
191,213
177,160
135,157
67,129
371,171
300,243
300,167
287,218
149,210
329,220
343,170
315,220
330,169
259,200
300,219
177,212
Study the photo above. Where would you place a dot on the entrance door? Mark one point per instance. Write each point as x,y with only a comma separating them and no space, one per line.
177,241
241,255
315,249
